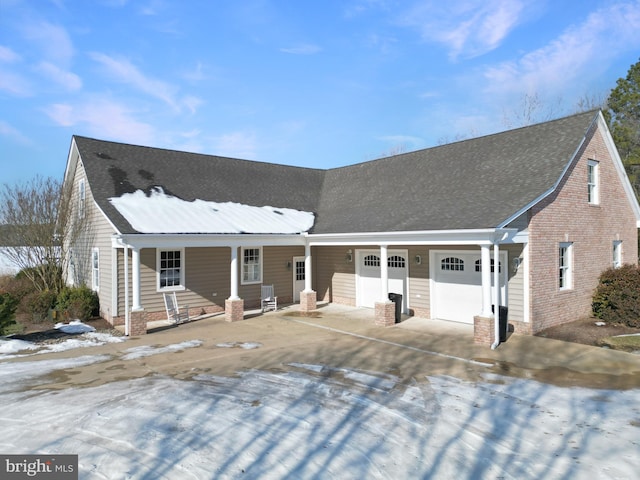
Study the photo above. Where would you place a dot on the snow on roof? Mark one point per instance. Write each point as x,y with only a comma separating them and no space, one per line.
162,213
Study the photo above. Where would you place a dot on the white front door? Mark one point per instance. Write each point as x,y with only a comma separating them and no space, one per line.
368,282
298,277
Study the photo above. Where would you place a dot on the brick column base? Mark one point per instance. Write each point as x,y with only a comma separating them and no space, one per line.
138,323
483,330
385,314
233,309
307,301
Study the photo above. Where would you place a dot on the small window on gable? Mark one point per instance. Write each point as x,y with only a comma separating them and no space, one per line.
452,263
170,269
95,269
617,254
372,261
565,271
81,199
479,266
251,265
593,181
396,261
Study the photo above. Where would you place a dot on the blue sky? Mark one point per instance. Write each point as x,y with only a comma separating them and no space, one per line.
299,82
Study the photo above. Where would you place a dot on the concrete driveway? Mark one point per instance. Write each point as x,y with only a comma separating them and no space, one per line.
345,337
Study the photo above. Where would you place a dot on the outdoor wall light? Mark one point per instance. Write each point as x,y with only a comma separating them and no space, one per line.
516,264
418,259
349,256
288,265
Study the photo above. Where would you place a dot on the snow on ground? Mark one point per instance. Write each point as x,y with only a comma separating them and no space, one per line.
313,421
159,212
86,337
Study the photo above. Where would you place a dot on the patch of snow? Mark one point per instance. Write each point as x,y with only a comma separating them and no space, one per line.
245,345
10,346
74,327
307,424
162,213
600,324
148,350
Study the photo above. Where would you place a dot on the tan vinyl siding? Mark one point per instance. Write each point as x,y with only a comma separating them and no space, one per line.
96,233
275,272
515,288
419,283
334,277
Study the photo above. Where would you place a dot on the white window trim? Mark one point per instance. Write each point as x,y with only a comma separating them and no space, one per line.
81,198
617,254
95,270
568,267
242,267
173,288
593,185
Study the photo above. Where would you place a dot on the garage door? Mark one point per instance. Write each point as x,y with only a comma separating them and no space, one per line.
369,286
457,286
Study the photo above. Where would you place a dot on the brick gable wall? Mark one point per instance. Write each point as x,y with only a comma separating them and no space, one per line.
566,216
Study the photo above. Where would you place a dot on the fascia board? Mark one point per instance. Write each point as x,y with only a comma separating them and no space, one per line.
617,162
429,237
204,240
556,184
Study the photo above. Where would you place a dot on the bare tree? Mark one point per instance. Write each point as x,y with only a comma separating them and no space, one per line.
35,218
531,109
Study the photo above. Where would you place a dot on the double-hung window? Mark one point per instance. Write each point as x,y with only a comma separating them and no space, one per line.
95,269
251,265
170,268
565,271
593,180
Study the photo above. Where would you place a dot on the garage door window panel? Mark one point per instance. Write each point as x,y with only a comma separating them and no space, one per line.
452,264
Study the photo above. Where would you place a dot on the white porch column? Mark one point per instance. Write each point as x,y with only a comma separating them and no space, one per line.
496,294
135,279
384,273
485,259
127,317
234,274
307,268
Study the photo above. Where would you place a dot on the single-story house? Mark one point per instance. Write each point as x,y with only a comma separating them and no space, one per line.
550,203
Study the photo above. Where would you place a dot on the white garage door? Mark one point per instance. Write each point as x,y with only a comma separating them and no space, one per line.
368,286
457,286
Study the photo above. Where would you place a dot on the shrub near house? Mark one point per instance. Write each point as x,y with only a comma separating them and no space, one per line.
8,305
617,297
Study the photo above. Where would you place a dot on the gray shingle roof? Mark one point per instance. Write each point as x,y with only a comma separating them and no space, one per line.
477,183
115,168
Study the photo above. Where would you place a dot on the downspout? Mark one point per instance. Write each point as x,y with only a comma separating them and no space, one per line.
496,295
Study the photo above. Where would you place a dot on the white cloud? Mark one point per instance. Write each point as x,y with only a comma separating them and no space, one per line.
192,103
236,145
467,28
13,133
69,80
302,49
103,118
7,55
126,72
15,84
581,51
53,40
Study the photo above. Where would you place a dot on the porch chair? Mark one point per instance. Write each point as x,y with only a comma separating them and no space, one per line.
175,313
268,300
